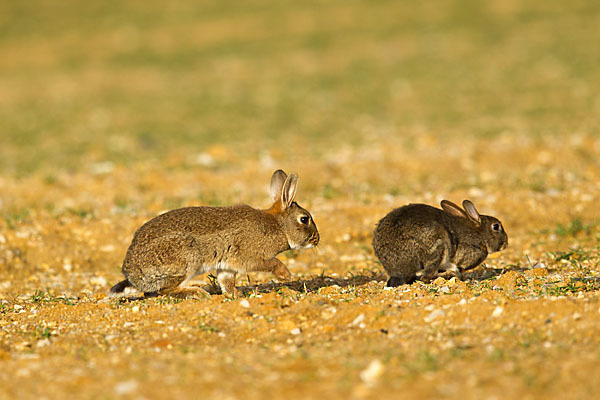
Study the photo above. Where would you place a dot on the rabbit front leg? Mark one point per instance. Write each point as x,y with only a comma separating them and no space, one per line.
277,268
272,265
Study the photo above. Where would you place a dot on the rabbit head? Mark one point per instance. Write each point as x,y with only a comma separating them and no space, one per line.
490,228
296,222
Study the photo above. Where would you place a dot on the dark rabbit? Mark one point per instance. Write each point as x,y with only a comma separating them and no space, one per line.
420,239
172,248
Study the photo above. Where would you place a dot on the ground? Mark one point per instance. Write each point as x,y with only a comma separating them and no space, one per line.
113,114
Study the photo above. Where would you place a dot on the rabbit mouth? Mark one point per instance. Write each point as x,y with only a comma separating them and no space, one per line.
310,242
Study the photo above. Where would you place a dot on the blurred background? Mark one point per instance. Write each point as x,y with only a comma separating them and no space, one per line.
90,85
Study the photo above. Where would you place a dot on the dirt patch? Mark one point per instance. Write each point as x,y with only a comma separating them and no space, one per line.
521,325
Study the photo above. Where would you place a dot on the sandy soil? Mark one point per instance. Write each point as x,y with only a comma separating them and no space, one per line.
524,325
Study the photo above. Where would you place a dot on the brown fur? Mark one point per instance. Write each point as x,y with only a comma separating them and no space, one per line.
418,238
170,249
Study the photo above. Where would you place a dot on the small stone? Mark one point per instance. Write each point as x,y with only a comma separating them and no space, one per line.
107,248
126,387
328,313
244,303
43,343
497,312
372,373
295,331
462,302
358,320
439,281
135,309
435,314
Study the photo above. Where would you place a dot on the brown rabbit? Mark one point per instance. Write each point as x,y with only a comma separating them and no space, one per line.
170,249
418,238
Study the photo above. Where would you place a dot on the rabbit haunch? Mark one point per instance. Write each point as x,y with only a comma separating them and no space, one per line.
172,248
420,239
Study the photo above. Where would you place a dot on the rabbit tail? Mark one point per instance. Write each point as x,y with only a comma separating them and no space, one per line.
119,287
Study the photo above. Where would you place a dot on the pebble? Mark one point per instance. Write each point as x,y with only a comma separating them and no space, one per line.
244,303
358,320
439,281
328,313
372,373
295,331
126,387
497,311
108,248
435,314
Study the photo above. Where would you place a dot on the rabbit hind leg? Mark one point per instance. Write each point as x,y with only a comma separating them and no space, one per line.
395,281
449,270
187,290
434,258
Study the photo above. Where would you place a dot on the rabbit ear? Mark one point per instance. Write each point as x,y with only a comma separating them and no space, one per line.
472,211
289,190
453,209
277,181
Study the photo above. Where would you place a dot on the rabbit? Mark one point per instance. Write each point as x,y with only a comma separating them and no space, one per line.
420,239
170,249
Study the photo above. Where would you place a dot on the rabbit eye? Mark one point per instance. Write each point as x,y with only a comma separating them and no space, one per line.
496,227
303,219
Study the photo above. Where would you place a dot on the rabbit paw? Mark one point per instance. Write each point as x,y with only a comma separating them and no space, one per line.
282,273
